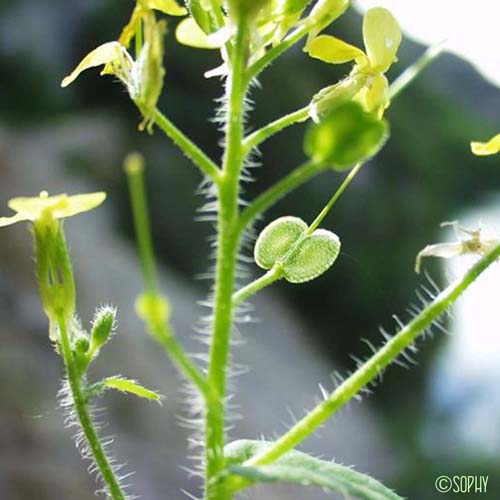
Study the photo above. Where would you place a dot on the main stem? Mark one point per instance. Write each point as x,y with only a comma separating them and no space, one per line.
80,405
228,244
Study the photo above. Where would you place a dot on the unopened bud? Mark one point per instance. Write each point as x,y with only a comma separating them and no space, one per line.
103,326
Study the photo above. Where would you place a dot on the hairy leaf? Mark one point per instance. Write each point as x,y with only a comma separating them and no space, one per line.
300,468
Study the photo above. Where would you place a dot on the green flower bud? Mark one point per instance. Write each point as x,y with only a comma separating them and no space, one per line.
153,309
82,345
313,257
324,13
276,240
54,271
103,326
333,96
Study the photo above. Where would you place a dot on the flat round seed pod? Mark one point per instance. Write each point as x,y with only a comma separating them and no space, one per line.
313,257
276,240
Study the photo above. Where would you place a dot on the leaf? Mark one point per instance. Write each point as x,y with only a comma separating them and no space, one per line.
346,136
300,468
132,387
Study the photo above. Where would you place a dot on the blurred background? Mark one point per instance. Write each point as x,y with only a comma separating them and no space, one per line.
439,417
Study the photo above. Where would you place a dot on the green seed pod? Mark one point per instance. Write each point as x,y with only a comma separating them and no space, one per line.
277,239
313,257
102,326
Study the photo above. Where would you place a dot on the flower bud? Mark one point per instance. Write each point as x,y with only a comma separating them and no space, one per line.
54,271
103,326
329,98
153,309
82,345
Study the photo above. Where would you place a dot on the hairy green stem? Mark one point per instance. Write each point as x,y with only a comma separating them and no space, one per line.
273,194
261,135
273,275
192,151
160,330
228,243
271,55
375,365
82,413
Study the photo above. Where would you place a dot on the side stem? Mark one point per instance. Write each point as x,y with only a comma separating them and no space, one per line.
191,150
80,405
375,365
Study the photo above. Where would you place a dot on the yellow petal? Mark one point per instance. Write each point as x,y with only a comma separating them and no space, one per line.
104,54
79,203
189,33
31,207
332,50
486,148
374,97
60,205
382,37
8,221
170,7
129,31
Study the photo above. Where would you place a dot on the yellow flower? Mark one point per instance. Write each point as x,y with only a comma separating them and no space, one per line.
382,37
53,263
58,207
491,147
142,77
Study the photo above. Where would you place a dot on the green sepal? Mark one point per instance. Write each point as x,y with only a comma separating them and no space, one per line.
346,136
201,16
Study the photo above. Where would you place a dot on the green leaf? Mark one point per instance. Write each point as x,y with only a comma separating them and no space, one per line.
132,387
300,468
346,136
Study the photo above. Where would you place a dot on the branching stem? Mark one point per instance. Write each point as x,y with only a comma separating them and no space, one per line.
284,186
160,330
82,413
192,151
261,135
375,365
